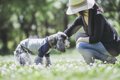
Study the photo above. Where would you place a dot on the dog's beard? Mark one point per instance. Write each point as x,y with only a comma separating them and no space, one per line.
60,45
61,41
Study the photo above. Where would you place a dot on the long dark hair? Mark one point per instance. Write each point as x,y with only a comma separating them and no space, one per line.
92,13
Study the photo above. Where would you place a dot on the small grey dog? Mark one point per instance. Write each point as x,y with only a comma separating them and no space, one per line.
40,46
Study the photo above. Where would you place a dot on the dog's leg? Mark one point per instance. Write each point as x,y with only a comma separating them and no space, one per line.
39,60
22,58
42,51
48,61
22,61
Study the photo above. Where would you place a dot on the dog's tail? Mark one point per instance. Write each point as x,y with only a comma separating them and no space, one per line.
22,57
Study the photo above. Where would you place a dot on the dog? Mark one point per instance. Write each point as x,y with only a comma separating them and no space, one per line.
40,46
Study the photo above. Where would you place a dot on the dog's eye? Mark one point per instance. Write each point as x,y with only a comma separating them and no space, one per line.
63,36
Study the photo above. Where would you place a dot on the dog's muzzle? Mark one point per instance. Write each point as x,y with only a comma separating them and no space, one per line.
60,45
60,41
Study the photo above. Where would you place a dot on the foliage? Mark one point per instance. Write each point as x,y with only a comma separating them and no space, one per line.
69,66
112,12
20,19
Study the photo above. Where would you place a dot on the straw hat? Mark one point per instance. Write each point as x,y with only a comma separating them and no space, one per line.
74,6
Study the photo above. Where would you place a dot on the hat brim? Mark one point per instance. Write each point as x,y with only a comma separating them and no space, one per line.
73,10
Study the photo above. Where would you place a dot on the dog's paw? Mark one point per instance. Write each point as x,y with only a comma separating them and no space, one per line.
48,64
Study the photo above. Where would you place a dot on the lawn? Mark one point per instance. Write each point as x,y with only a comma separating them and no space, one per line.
65,66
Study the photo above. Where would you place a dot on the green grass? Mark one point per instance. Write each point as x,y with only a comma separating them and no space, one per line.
69,66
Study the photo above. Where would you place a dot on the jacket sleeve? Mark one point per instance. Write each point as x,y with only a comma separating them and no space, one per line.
98,29
74,27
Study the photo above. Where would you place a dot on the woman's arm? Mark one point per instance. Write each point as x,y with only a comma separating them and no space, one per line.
74,27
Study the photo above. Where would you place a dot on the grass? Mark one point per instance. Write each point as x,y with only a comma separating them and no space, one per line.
69,66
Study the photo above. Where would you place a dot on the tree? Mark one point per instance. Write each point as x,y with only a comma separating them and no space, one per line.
112,12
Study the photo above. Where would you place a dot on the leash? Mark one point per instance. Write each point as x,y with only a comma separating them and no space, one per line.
25,49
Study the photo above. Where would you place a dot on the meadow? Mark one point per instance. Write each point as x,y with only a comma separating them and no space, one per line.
65,66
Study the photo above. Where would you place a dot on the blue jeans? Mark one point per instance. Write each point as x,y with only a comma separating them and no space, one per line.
92,51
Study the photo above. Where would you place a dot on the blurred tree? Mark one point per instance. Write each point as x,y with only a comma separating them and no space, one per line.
5,25
112,12
20,19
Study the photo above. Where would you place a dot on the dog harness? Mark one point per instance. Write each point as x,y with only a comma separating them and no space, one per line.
35,46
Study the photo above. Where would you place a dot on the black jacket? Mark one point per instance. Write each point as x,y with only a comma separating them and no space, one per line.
98,29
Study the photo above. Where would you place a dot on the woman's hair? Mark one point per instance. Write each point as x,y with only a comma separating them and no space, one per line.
81,12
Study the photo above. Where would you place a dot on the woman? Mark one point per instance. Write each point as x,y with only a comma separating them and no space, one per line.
100,40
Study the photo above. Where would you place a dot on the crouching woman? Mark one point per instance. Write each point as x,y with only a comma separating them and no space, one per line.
100,41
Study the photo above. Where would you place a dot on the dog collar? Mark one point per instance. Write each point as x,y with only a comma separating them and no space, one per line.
48,42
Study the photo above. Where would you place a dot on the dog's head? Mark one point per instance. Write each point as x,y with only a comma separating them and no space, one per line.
61,38
59,41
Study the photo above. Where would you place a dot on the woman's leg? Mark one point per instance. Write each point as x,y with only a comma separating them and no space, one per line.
94,51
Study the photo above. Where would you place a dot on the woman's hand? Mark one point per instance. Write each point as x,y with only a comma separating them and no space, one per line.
67,43
83,39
